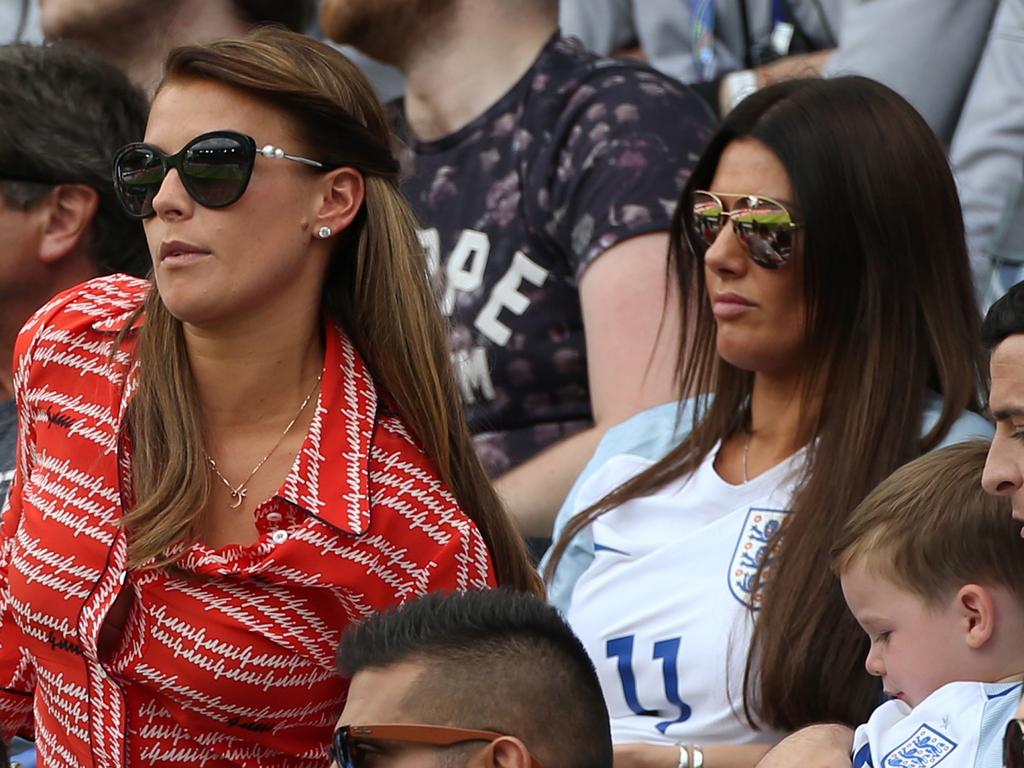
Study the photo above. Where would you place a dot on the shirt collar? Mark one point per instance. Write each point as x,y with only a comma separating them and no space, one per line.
330,476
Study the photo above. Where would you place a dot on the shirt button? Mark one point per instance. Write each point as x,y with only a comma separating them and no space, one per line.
279,537
273,517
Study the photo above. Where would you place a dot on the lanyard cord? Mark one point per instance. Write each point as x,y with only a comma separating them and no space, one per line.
782,10
748,54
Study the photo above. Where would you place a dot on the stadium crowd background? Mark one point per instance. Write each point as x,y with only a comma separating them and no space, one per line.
558,199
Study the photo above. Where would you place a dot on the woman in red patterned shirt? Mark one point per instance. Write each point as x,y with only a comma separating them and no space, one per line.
220,470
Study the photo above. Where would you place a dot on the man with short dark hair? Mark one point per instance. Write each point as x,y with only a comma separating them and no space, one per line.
442,670
136,35
63,115
1003,334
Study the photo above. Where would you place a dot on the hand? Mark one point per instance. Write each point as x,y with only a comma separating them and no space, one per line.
816,746
646,756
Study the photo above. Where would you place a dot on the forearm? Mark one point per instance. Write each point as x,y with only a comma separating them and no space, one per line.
534,491
787,68
816,746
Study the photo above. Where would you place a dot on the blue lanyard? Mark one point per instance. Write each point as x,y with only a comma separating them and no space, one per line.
702,38
778,12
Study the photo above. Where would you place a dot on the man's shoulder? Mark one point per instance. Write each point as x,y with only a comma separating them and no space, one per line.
568,75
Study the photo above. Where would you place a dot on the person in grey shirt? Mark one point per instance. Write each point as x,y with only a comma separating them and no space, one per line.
763,39
60,223
925,50
987,155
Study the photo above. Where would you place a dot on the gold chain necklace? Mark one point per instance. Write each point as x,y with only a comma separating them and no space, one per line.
238,492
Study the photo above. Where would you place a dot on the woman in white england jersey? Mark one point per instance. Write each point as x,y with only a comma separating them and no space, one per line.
836,337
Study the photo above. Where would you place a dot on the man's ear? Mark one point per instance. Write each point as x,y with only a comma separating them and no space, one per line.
506,752
69,210
343,193
977,610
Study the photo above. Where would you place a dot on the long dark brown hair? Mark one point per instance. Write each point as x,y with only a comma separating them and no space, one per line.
376,288
891,317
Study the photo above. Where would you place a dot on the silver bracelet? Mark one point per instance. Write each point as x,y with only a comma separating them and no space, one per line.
698,756
684,756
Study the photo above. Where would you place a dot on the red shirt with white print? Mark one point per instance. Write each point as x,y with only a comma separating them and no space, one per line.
229,658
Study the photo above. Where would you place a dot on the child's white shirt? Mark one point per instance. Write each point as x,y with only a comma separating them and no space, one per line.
960,725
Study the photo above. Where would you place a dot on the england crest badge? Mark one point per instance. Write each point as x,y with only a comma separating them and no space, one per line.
925,748
751,549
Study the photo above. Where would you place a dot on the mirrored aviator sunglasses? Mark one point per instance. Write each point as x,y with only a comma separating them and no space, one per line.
763,225
1013,745
214,169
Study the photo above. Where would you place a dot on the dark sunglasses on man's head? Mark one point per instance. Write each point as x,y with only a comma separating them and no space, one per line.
1013,745
214,168
763,225
349,744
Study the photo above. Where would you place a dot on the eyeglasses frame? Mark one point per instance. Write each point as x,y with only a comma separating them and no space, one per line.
174,162
407,733
789,226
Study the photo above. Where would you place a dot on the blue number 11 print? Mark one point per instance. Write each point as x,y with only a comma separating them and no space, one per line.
621,648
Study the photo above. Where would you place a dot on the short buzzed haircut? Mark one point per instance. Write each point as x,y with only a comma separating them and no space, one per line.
931,528
494,660
1004,318
64,113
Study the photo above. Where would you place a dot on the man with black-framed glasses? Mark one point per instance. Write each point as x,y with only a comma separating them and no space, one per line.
470,680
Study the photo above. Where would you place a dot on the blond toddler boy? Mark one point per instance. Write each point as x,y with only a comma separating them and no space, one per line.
932,568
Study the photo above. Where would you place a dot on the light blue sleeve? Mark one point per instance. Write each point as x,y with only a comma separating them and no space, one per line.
649,434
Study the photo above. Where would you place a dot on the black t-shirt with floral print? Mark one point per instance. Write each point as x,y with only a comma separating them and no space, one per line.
582,153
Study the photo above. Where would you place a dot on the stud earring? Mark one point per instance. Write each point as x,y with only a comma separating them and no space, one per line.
323,233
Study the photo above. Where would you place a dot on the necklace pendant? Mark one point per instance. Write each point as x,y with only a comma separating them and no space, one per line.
238,494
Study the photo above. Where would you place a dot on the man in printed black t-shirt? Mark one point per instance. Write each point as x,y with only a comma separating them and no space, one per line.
544,178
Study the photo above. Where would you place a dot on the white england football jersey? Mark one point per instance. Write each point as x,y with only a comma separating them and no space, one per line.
663,609
960,726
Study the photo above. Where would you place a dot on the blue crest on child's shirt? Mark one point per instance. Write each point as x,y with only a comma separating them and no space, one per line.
751,547
925,748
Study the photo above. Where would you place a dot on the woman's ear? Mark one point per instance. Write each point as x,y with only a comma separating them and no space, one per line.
977,610
342,195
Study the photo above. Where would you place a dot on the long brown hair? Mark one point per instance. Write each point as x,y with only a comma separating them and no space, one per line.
376,288
890,317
